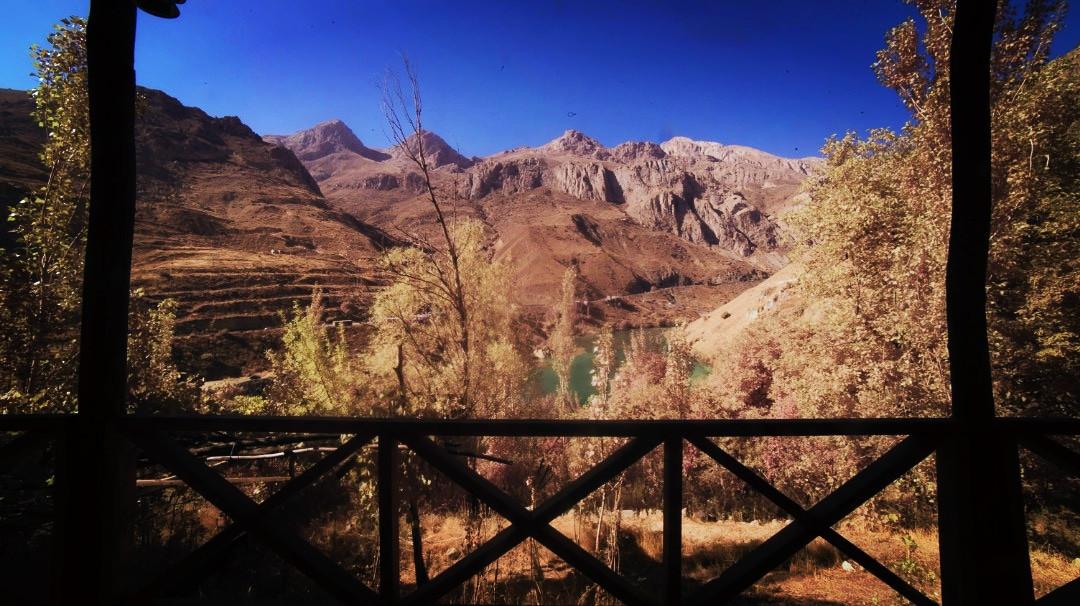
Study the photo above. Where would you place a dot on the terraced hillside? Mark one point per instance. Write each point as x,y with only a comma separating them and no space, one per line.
20,144
232,227
237,231
230,314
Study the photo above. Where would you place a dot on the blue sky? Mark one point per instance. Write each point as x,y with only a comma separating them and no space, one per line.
779,75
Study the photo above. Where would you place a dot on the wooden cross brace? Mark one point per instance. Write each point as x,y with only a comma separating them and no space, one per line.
249,517
809,524
525,524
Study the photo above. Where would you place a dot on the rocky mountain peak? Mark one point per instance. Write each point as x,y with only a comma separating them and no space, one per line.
574,142
738,155
436,149
637,150
323,139
687,147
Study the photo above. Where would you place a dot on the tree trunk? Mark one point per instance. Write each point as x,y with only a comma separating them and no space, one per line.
417,541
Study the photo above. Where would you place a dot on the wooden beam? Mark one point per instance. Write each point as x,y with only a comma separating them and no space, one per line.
389,554
830,510
110,53
185,575
95,474
762,486
1064,458
673,489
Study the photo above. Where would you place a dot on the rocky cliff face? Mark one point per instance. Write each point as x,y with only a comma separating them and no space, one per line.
575,143
717,195
666,195
739,166
510,177
635,216
636,150
708,193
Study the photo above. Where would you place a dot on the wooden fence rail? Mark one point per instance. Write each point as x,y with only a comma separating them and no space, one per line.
157,438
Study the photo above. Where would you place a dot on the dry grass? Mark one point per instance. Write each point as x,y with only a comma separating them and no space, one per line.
1052,570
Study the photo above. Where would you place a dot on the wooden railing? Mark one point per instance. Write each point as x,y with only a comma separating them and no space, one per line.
155,437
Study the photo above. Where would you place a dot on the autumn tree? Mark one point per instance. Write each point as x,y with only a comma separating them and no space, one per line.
416,347
1034,275
404,115
678,368
604,362
41,270
874,238
445,341
155,384
867,334
314,372
879,230
563,347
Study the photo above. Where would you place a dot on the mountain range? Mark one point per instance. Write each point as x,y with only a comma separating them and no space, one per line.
239,227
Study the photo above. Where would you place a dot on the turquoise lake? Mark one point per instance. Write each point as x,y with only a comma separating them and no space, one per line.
546,382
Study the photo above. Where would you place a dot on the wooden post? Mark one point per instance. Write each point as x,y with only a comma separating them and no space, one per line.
673,489
984,553
389,559
95,475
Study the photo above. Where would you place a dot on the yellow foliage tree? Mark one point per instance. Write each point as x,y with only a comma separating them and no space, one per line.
563,347
874,239
314,372
867,337
417,349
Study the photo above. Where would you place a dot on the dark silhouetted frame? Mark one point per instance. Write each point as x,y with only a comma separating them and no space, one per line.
982,531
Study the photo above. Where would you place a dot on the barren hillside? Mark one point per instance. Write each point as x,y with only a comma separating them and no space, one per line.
233,227
20,144
721,328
